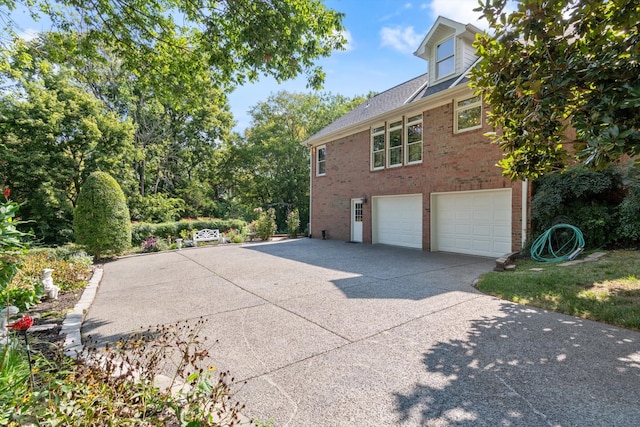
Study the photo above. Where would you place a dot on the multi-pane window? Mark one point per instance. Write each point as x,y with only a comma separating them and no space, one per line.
468,114
395,144
357,214
377,148
321,160
445,59
414,139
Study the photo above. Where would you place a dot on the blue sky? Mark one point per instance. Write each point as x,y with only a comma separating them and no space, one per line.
382,34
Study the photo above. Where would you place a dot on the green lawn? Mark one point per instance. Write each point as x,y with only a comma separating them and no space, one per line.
606,290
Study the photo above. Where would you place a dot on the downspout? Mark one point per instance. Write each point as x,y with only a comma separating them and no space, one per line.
525,199
311,150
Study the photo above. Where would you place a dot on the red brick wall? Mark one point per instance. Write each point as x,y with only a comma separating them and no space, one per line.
451,162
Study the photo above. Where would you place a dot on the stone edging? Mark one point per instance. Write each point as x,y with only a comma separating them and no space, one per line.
72,324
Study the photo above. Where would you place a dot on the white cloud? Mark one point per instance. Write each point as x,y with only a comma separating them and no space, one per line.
458,10
349,46
404,40
28,34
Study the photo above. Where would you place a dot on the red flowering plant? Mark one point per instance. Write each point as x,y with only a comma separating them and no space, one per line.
23,324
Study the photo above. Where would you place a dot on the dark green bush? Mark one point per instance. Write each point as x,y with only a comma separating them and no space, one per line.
142,231
629,211
101,219
156,208
584,198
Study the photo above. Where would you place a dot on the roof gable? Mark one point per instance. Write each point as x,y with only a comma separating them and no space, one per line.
442,28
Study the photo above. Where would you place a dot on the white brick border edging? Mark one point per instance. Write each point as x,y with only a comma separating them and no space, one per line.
72,324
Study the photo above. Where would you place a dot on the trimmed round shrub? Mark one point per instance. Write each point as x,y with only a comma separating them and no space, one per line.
101,220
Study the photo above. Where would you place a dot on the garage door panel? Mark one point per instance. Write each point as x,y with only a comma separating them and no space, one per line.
398,220
477,223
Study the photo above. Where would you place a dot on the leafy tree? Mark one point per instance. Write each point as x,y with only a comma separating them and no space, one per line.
53,134
239,39
550,65
101,219
270,166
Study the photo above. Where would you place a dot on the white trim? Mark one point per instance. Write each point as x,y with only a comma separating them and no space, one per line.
426,104
373,134
321,147
310,191
399,128
463,75
406,138
433,238
472,106
525,199
439,77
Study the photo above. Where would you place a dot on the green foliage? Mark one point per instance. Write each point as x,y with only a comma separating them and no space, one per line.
546,67
14,378
12,250
270,166
580,197
156,208
142,231
266,224
293,223
85,393
101,221
629,210
54,134
237,40
70,271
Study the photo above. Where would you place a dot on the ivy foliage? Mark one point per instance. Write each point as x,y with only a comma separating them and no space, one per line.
602,204
101,221
549,66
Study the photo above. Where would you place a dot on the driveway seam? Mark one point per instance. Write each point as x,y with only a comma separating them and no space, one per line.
271,302
350,342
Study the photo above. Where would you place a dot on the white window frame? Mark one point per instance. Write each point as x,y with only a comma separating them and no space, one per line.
460,109
378,130
438,60
323,161
395,126
413,120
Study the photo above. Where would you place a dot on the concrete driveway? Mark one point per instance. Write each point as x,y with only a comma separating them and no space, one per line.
327,333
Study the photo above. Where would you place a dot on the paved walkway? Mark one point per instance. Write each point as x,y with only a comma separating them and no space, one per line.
327,333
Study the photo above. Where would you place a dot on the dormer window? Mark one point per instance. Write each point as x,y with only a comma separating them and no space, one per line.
445,60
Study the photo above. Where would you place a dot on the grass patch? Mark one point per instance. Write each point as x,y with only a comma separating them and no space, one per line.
606,290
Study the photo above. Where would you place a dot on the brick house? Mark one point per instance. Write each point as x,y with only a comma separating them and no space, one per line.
411,166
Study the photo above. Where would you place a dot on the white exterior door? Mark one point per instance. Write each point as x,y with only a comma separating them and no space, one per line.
472,222
356,220
397,220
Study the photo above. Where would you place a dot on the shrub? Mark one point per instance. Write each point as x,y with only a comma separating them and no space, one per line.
71,270
156,208
629,211
584,198
142,231
101,219
12,249
110,392
266,224
293,223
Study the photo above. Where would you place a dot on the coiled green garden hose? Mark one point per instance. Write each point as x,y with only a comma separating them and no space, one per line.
566,247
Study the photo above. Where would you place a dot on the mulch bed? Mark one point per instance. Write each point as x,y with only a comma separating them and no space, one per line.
44,335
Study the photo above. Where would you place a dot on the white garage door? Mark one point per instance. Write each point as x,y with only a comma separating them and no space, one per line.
397,220
473,222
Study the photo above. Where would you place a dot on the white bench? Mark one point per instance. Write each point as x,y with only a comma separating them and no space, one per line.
205,235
